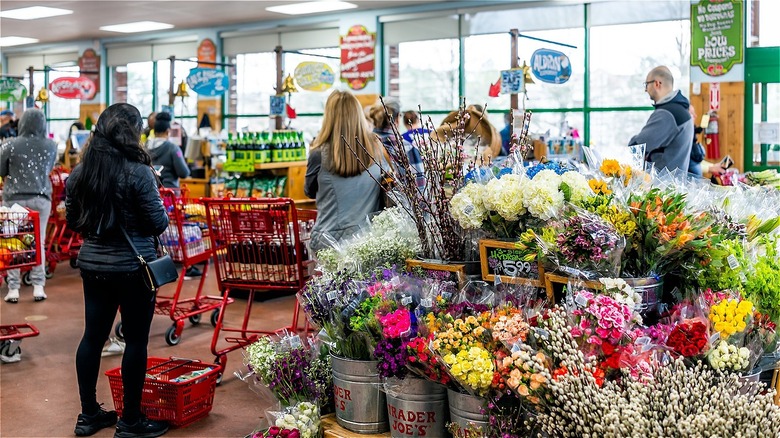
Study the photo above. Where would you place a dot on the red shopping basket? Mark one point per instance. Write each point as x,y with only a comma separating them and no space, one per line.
171,392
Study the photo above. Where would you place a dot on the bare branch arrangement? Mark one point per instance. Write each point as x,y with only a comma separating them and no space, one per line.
425,198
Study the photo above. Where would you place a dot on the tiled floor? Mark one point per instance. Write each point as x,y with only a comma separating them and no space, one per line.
39,395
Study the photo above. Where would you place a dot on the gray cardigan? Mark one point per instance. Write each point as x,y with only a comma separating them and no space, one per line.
343,204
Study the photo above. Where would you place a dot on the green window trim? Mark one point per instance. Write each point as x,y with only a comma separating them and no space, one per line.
762,65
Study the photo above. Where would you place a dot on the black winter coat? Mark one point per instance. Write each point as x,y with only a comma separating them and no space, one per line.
142,214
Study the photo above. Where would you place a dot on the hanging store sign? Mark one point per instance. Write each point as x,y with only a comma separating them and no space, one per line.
314,76
207,53
89,64
73,88
512,81
550,66
358,57
208,81
717,41
12,90
277,105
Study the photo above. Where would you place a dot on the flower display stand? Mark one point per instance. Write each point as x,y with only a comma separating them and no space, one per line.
455,272
550,280
331,429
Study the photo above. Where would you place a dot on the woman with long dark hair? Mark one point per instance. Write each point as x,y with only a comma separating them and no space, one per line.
114,190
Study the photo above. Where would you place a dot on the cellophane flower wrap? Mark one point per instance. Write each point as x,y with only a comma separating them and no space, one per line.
690,337
277,432
464,346
292,373
601,324
303,416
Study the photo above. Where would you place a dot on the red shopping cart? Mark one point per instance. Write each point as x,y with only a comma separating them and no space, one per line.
62,243
19,236
185,242
258,244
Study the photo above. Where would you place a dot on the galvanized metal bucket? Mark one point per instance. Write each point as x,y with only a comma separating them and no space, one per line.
467,411
416,407
361,406
650,288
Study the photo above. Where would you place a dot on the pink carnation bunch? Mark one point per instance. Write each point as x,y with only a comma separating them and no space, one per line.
396,324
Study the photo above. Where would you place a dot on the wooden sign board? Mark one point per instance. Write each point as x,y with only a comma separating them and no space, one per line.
449,272
550,280
505,259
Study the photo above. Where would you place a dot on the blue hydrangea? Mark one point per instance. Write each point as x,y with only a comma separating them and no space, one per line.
550,165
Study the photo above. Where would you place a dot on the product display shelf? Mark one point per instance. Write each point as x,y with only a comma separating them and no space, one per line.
332,430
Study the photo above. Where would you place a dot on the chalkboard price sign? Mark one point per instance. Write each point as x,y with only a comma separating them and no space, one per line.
507,261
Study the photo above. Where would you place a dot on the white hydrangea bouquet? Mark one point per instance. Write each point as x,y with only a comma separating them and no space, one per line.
505,206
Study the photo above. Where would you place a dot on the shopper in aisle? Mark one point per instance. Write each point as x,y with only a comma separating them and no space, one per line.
113,196
165,154
414,129
8,125
346,192
384,121
148,131
669,129
168,159
25,164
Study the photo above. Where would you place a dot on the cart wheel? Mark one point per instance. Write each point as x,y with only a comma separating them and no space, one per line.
214,317
74,263
222,362
118,330
27,279
170,336
195,319
49,273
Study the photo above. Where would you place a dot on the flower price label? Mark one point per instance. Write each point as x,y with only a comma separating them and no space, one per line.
509,262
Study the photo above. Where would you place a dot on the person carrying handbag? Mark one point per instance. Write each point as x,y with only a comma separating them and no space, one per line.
112,192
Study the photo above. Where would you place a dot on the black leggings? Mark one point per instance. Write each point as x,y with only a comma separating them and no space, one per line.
104,293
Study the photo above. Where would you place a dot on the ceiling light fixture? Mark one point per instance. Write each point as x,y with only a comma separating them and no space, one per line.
311,7
138,26
34,13
8,41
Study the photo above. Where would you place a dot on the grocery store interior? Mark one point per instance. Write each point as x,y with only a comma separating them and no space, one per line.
269,67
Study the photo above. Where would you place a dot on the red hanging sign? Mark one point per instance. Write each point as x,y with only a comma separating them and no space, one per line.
358,57
207,53
715,96
73,88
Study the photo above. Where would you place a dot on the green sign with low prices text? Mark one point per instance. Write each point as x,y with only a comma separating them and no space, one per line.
717,36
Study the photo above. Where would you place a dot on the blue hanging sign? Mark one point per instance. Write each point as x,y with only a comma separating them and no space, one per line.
277,105
550,66
208,81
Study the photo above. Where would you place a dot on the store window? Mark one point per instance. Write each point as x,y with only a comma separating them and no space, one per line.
312,101
139,77
186,109
615,128
252,85
62,112
428,74
766,31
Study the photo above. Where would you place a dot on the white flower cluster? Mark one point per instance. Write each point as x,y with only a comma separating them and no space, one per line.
729,357
618,289
513,196
261,356
467,206
304,416
391,239
679,401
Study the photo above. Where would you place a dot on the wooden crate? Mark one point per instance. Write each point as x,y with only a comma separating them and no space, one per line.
332,430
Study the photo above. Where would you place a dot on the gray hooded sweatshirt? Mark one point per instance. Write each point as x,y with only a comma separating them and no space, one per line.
27,160
668,133
168,155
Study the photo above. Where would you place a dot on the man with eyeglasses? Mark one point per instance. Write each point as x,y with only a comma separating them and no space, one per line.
669,130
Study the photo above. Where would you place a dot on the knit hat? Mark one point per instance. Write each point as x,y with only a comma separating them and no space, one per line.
7,113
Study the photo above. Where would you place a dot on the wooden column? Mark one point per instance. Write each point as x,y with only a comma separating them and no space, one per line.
731,118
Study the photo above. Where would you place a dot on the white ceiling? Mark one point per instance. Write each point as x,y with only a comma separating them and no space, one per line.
89,15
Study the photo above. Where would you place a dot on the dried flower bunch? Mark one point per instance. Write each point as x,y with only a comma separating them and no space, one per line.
428,205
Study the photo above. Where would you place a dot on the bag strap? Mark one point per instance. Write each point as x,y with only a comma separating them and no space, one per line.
135,250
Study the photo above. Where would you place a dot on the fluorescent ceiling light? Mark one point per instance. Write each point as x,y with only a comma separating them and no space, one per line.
138,26
311,7
34,13
9,41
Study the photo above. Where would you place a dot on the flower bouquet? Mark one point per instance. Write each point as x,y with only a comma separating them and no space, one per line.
303,417
690,337
278,432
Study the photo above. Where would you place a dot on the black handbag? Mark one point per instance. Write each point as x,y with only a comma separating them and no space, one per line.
157,272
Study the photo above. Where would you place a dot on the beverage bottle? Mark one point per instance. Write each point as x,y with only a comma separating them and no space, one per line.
276,152
257,148
266,147
230,149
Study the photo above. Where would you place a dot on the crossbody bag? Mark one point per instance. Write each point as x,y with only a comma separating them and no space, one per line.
157,272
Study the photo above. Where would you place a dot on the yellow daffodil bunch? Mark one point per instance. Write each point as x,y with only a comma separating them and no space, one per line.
730,316
459,334
473,368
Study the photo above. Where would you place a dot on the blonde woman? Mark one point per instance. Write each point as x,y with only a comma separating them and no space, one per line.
336,176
